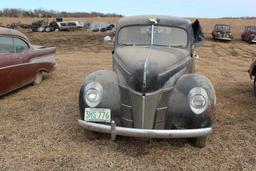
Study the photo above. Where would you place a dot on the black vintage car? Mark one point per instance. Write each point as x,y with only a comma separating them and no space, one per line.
152,91
222,32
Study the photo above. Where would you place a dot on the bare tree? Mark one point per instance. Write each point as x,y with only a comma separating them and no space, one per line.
12,12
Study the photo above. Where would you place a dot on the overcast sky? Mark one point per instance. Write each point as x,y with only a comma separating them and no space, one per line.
183,8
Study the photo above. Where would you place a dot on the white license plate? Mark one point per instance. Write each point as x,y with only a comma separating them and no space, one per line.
97,115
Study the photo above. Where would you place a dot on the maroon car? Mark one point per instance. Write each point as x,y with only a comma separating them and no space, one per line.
249,34
22,63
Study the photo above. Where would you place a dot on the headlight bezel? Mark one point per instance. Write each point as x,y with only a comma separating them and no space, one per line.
201,95
96,89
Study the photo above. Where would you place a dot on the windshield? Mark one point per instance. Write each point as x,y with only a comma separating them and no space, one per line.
251,28
222,27
153,35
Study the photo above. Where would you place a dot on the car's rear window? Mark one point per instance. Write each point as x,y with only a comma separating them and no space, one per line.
20,45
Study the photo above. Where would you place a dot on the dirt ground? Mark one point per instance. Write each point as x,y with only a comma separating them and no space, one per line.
38,129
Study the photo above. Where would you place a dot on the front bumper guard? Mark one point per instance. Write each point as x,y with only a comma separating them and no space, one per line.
253,41
224,38
144,133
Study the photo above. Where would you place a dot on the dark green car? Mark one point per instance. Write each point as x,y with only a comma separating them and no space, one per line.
252,73
152,90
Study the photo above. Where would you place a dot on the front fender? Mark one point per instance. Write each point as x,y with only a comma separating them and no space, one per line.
111,94
179,112
252,70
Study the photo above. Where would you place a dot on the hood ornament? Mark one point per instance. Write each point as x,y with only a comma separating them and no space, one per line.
154,20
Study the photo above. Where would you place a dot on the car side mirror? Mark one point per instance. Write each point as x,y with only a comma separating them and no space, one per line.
107,39
198,35
195,55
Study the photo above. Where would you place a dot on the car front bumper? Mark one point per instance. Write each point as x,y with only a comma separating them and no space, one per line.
253,41
144,133
224,38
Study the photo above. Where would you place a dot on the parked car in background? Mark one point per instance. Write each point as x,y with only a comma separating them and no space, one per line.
249,34
152,91
222,32
40,26
101,26
22,63
56,25
252,73
70,25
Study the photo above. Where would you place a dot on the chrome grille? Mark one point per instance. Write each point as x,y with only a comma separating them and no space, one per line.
147,111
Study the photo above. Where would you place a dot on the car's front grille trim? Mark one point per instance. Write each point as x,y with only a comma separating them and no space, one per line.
130,112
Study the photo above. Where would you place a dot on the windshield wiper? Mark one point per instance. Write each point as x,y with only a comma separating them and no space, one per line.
176,46
160,45
170,46
127,44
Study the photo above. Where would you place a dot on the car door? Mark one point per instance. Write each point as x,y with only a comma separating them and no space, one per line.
9,60
27,70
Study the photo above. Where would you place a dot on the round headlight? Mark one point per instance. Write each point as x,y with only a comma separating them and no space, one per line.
198,100
93,94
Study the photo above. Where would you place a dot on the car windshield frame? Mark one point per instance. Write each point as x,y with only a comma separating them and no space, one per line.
150,43
251,28
223,27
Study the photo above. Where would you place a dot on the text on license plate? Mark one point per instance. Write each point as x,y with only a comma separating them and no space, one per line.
97,115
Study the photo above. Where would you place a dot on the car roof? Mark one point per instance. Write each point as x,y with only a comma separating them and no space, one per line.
7,31
163,20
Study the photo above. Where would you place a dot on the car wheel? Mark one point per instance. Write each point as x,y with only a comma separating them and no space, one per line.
39,78
91,135
254,86
199,142
250,41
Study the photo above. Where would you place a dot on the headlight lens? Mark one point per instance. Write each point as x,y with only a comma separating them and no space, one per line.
93,94
198,100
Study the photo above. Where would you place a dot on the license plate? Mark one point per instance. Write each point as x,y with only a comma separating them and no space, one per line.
97,115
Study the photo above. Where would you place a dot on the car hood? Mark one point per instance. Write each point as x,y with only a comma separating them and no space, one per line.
150,67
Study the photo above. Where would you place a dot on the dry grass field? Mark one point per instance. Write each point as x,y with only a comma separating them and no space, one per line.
38,129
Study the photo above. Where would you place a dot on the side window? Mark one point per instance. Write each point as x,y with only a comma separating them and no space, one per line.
6,44
20,45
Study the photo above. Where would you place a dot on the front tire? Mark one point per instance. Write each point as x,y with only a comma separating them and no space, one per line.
254,86
199,142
